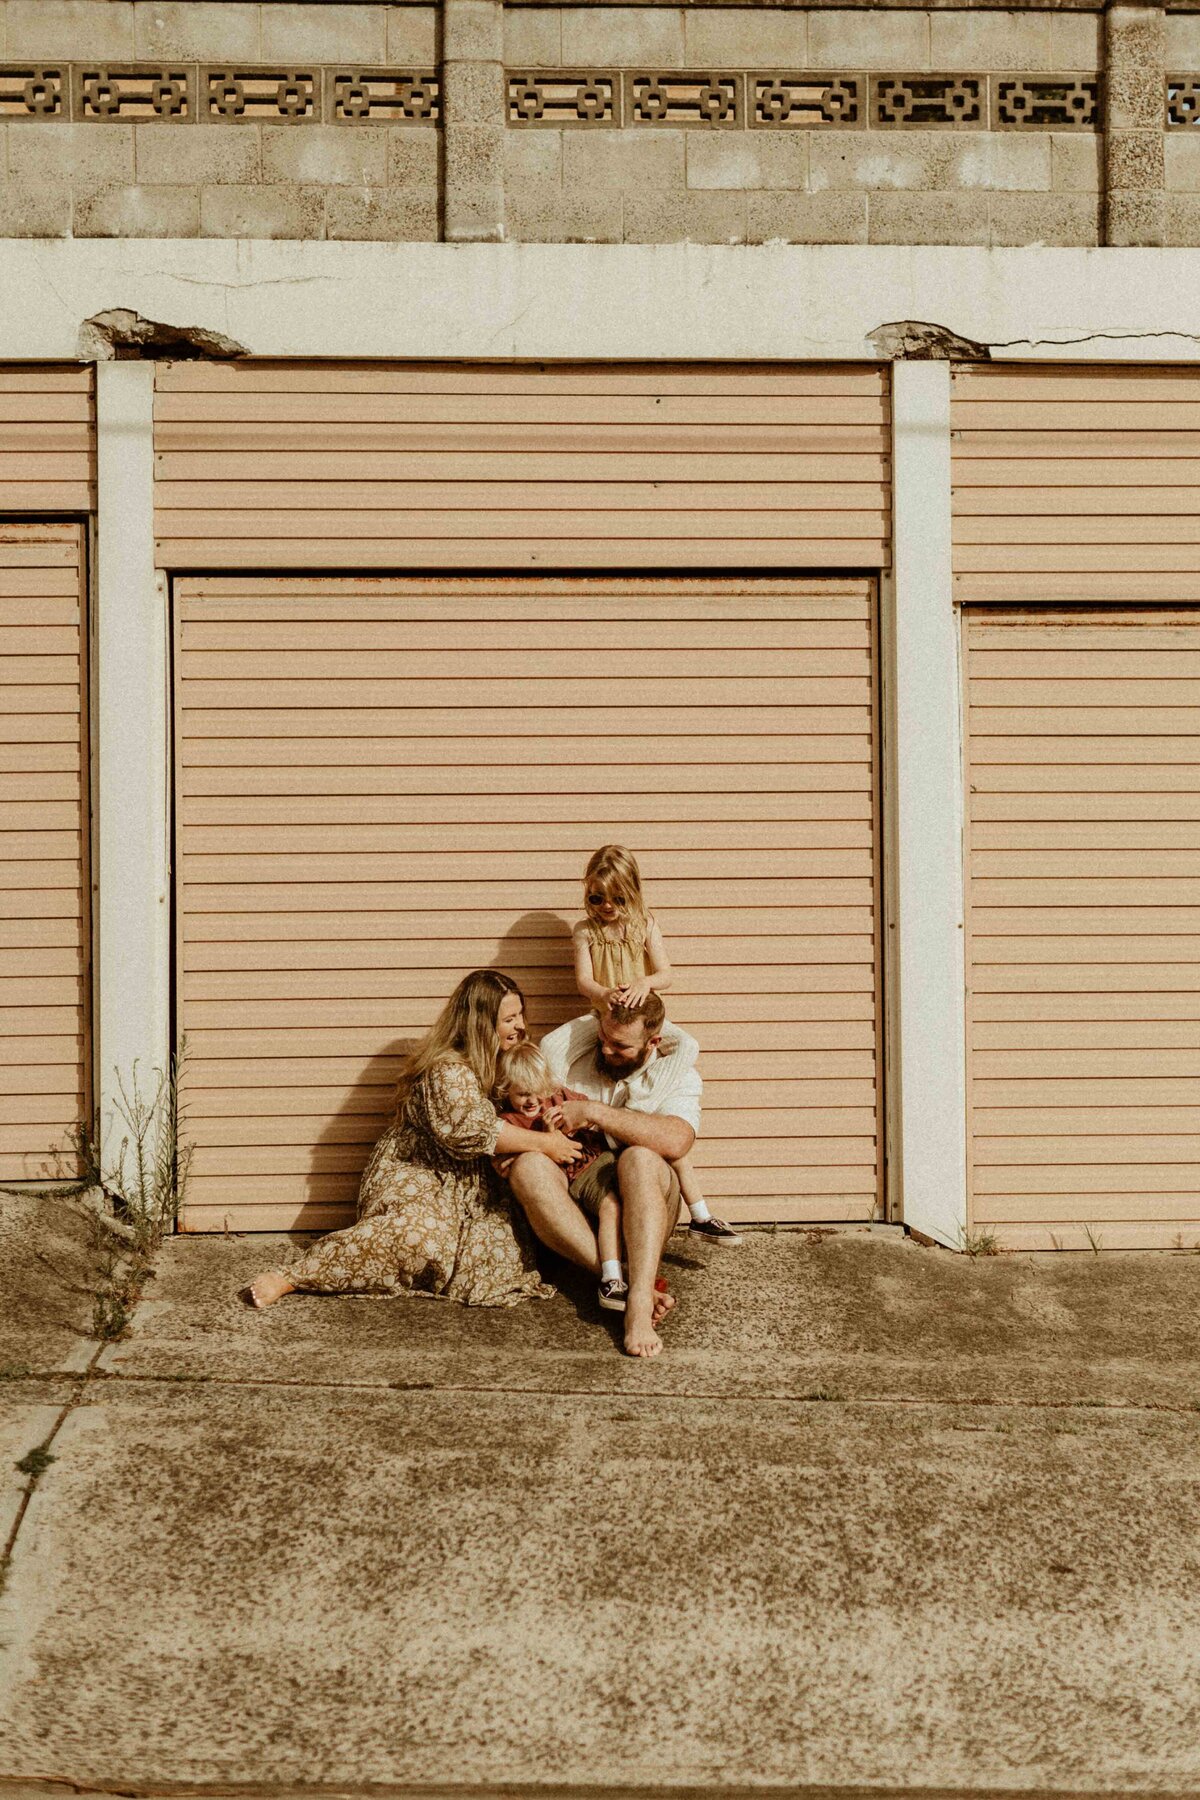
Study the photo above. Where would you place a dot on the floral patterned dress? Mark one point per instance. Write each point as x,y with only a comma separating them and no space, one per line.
429,1219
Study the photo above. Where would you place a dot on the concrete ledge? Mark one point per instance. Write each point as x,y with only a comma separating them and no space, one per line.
598,301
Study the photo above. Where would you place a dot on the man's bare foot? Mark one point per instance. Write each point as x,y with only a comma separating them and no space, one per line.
663,1304
641,1339
269,1288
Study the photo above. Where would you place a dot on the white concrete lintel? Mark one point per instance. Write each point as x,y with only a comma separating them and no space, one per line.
596,301
926,964
131,672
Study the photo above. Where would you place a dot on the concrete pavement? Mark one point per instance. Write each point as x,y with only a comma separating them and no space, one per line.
880,1518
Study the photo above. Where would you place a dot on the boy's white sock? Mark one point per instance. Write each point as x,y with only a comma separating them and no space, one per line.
700,1211
610,1271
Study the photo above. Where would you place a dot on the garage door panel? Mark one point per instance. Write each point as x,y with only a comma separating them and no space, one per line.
559,844
1084,935
44,940
421,815
614,601
561,896
351,843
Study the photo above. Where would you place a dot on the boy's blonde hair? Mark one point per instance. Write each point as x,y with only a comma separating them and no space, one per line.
523,1069
614,870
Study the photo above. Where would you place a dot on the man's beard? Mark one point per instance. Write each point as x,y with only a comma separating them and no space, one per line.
615,1072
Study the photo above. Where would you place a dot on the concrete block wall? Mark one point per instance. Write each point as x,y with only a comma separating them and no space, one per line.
481,175
249,179
1182,147
906,186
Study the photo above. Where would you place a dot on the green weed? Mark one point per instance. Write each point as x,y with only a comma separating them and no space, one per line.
35,1462
979,1243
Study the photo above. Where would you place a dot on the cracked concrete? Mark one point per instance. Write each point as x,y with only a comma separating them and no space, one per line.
881,1518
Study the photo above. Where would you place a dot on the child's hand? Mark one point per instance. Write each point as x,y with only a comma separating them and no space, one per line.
636,992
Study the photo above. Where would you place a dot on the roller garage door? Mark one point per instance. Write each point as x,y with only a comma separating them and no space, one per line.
1084,925
45,1073
385,781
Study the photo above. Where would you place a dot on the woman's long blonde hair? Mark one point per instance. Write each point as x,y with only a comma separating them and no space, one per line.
465,1028
614,870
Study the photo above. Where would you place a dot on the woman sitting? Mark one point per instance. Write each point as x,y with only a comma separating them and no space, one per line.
429,1219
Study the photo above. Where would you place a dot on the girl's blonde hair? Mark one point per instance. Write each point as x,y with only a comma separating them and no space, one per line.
466,1029
614,871
524,1069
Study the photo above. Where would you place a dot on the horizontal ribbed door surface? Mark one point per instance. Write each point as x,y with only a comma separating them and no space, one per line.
44,894
1076,482
445,466
384,783
47,440
1084,926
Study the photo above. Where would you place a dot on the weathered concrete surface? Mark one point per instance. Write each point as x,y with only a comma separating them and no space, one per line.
868,1316
284,1584
355,1542
29,1411
46,1288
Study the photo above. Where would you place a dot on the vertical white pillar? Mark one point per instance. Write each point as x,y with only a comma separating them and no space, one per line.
928,958
131,674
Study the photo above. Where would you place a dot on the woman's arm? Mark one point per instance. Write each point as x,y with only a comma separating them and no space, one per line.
585,980
514,1140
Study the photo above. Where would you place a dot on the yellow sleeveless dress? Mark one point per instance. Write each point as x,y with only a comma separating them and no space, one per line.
616,963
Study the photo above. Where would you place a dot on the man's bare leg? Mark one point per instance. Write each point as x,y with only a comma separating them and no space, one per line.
541,1188
648,1219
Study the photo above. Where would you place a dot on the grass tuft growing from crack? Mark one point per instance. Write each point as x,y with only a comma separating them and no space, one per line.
979,1243
35,1462
132,1201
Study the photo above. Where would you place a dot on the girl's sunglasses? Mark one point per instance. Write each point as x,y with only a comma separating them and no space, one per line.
599,899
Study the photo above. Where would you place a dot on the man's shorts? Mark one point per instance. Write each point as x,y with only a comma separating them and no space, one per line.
600,1178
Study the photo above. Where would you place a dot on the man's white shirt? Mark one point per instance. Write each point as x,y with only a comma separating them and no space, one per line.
664,1084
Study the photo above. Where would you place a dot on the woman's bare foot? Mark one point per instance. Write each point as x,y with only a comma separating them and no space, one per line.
269,1288
641,1339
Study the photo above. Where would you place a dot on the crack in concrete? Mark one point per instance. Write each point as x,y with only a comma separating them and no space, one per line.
79,1379
1091,337
799,1397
